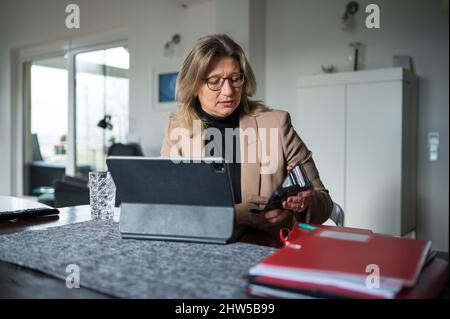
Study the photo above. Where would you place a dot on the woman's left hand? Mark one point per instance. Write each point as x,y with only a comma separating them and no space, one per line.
299,202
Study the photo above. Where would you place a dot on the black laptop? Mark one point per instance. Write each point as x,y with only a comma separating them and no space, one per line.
174,199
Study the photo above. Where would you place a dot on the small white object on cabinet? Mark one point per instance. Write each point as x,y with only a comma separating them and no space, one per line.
361,127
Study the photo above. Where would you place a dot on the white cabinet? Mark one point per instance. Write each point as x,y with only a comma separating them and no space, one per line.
361,128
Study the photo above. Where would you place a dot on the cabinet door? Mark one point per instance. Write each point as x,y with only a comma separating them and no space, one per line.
374,148
319,119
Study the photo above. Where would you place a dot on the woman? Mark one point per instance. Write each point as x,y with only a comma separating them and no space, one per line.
216,117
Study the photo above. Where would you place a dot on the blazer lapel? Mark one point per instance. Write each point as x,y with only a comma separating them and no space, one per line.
193,147
250,161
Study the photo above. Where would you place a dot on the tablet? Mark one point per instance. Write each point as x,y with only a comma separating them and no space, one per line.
168,199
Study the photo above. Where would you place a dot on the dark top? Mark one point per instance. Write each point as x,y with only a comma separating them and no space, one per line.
222,140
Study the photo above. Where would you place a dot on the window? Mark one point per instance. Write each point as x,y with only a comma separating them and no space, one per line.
101,104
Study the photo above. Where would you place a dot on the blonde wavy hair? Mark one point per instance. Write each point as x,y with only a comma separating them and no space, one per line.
193,72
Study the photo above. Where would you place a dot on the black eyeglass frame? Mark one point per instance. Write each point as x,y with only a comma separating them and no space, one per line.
242,75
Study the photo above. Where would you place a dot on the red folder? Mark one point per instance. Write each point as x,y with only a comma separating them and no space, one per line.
342,260
429,286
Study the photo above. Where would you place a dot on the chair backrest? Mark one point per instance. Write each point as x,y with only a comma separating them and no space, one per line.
36,150
130,149
337,215
70,191
73,191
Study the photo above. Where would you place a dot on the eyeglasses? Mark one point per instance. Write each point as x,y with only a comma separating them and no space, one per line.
216,82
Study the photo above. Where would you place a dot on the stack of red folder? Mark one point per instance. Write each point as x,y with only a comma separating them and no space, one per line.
324,261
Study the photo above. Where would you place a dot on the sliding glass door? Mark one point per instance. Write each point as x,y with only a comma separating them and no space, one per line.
75,107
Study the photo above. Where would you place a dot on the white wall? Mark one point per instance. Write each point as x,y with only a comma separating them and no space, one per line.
246,27
257,54
303,34
237,11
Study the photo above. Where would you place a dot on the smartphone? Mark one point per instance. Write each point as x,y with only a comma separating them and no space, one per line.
296,181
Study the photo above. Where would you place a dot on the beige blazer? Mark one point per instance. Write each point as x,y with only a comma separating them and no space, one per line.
277,145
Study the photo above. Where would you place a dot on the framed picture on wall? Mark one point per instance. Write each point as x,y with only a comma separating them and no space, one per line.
165,79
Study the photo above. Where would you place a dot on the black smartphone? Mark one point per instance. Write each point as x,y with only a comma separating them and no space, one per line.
296,181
